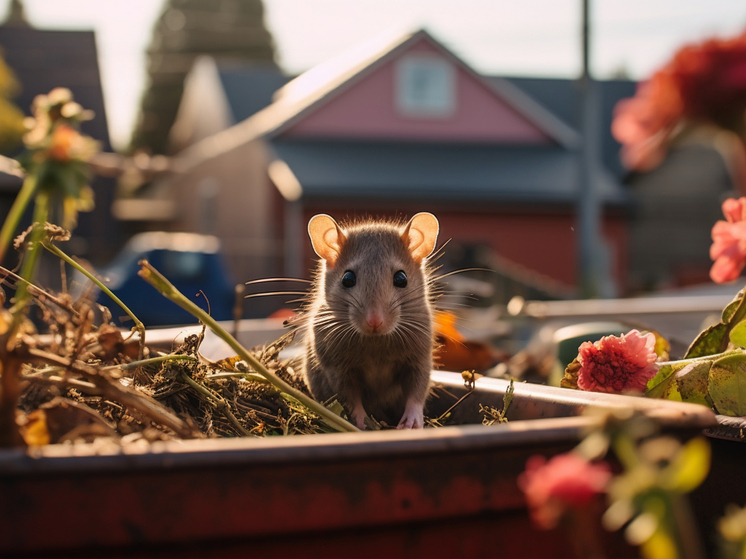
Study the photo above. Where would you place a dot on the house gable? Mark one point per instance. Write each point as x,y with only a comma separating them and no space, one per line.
469,109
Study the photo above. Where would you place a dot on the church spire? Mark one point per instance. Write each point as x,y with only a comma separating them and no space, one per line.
16,15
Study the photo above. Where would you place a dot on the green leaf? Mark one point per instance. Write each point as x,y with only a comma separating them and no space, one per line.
692,383
727,384
738,334
690,466
709,341
730,309
662,385
715,338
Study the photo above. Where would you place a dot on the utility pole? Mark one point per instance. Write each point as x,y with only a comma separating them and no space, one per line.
595,279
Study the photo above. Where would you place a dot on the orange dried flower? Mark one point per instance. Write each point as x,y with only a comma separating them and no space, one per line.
63,142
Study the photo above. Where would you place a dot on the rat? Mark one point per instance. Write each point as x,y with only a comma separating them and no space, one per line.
369,335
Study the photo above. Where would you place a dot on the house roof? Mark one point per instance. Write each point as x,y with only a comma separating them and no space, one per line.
562,98
249,88
458,172
324,82
320,85
452,171
43,60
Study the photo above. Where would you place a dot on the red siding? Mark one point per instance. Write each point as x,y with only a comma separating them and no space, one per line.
367,109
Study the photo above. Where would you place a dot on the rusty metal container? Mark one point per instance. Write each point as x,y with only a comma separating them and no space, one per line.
447,492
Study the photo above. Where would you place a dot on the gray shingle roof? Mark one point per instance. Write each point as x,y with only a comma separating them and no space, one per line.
562,98
448,171
462,172
249,87
43,60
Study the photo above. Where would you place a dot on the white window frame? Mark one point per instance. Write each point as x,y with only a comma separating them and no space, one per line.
442,100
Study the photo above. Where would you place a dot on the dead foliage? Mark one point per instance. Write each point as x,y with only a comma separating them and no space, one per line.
81,382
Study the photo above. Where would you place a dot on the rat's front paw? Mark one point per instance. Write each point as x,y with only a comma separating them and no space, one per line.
358,417
412,418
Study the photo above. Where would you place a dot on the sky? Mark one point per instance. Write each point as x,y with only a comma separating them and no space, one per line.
509,37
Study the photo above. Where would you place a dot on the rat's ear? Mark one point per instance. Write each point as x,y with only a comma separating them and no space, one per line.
420,235
326,237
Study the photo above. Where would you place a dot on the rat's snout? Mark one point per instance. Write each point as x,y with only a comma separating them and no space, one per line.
374,320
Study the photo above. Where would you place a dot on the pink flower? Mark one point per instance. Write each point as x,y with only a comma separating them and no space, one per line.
567,480
644,123
617,364
728,248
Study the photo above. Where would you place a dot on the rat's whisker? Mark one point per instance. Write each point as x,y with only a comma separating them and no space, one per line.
267,280
272,293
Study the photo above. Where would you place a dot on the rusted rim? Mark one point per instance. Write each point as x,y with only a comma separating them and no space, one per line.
348,446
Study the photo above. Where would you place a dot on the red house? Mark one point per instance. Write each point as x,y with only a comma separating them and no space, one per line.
389,130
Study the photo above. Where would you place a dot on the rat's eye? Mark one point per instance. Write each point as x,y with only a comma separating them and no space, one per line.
400,279
349,279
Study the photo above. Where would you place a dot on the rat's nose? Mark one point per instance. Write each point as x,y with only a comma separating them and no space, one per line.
374,321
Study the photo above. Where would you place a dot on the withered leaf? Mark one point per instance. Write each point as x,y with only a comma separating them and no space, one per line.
715,339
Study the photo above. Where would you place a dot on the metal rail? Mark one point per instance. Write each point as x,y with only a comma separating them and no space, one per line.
643,305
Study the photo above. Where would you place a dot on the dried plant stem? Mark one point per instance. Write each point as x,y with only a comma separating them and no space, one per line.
157,280
218,401
16,213
10,361
114,390
151,361
449,410
139,326
38,292
60,382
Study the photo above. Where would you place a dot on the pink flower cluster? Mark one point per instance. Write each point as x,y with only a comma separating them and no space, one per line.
617,364
566,480
728,248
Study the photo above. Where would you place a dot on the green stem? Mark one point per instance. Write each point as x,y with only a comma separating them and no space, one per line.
157,280
30,259
687,535
16,213
152,361
712,357
248,376
139,326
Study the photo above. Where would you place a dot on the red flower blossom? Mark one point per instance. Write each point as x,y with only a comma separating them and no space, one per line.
617,364
704,82
566,480
711,78
728,248
644,123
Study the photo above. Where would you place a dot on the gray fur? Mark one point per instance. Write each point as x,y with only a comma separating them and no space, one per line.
382,370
